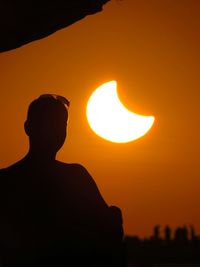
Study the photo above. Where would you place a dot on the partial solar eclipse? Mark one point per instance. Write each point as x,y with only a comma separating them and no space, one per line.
109,119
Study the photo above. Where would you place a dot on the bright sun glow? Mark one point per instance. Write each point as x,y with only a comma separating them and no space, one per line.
109,119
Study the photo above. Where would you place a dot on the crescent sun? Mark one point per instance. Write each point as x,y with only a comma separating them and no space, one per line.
109,119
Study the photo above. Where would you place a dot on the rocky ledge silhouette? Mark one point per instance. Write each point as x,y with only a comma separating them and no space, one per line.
24,21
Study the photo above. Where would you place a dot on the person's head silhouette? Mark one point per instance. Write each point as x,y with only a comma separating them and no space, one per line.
46,124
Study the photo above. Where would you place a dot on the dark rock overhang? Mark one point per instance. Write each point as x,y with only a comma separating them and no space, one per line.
24,21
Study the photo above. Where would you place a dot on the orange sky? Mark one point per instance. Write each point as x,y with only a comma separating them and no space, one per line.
152,49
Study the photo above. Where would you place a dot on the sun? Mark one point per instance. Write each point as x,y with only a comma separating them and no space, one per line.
109,119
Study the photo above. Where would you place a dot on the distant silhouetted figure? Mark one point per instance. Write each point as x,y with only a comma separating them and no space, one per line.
185,233
193,235
178,234
156,231
181,234
167,233
192,232
50,211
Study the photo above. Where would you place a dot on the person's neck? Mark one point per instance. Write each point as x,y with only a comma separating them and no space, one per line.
39,158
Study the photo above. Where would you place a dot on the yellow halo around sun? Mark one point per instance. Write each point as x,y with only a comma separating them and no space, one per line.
109,119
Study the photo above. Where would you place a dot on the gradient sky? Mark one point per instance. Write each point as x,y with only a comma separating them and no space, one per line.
151,47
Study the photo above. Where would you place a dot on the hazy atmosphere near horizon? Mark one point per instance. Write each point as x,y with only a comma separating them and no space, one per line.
151,48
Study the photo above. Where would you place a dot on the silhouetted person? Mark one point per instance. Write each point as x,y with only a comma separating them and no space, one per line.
168,233
192,232
193,235
50,211
178,234
156,231
185,233
181,235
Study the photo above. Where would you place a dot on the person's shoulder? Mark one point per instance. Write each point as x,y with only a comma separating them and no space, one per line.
67,166
10,171
76,168
5,174
5,171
